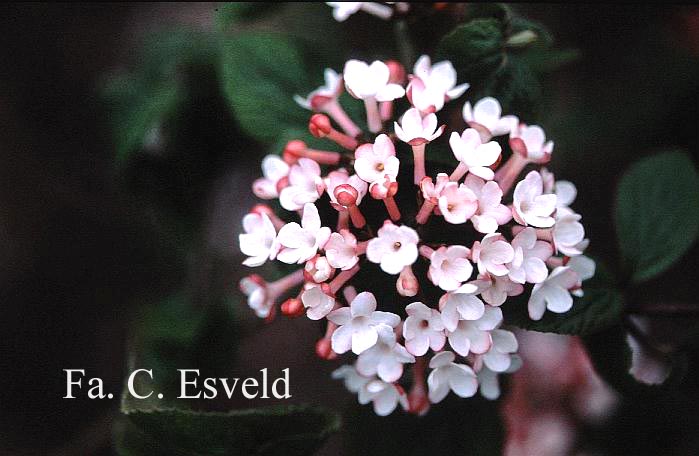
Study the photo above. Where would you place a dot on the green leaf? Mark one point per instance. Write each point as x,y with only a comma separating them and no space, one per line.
657,213
279,430
231,13
261,74
474,48
599,308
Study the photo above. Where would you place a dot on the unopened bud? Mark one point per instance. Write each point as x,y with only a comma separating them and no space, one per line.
292,307
319,125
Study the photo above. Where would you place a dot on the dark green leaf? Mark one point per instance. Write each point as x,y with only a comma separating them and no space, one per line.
261,74
232,13
281,430
657,213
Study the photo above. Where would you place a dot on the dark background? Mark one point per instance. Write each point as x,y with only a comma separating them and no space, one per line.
76,251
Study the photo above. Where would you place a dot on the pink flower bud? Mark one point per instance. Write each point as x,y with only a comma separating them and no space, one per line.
346,195
324,349
293,150
407,284
319,125
396,71
292,308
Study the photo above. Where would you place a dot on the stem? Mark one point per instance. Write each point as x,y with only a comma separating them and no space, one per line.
386,110
321,156
373,118
426,251
343,140
342,220
281,286
356,215
392,208
458,172
341,279
425,212
419,162
334,110
361,247
507,175
350,293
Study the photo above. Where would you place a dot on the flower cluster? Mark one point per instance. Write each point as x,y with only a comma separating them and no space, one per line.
434,250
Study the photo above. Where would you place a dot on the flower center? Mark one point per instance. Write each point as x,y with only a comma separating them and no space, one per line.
424,324
396,245
379,167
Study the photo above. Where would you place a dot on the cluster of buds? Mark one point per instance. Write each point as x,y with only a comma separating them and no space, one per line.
442,248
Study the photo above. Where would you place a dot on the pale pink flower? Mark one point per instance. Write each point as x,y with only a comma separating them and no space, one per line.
492,254
499,357
394,248
529,262
488,382
530,142
415,130
497,289
385,396
432,85
341,250
273,169
450,267
343,10
318,269
423,329
474,155
374,161
305,185
432,190
457,203
301,242
530,205
353,380
317,303
473,336
484,117
569,235
258,241
491,213
357,324
448,376
370,81
462,304
385,358
327,93
553,293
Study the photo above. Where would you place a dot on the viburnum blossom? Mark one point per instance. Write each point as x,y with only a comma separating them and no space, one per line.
395,262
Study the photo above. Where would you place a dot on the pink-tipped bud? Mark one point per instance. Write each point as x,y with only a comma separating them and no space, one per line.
384,189
319,125
518,146
292,308
293,150
346,195
418,403
262,209
318,270
324,349
396,72
407,284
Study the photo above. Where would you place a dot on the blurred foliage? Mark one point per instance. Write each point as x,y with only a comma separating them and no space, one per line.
657,213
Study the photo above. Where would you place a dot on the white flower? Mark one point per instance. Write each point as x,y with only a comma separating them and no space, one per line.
341,250
301,242
258,241
343,10
492,254
473,336
394,248
432,85
370,81
488,380
318,269
447,375
497,289
529,262
273,169
485,118
259,300
553,293
432,190
385,396
354,381
415,130
450,267
339,178
585,268
305,185
463,304
499,357
474,154
323,94
565,193
423,329
317,303
569,235
490,214
357,324
530,205
457,203
530,142
374,161
385,358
